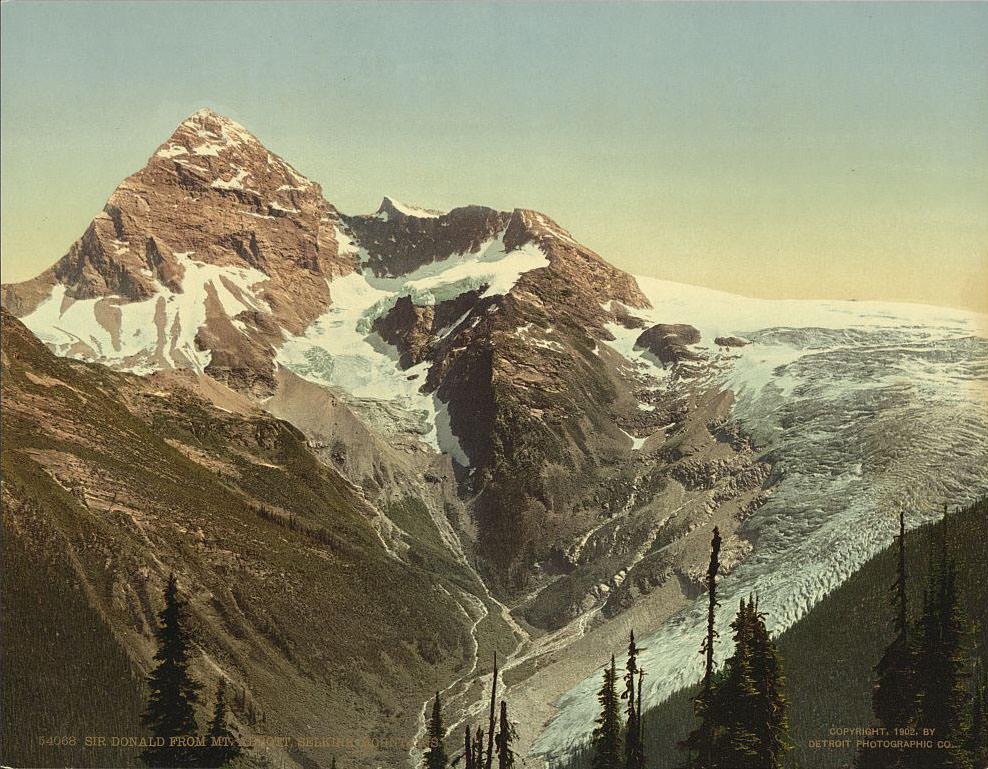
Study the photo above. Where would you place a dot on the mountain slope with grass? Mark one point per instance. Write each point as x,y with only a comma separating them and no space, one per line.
323,614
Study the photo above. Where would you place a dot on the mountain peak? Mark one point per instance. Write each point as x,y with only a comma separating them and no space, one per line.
208,134
209,120
224,239
392,207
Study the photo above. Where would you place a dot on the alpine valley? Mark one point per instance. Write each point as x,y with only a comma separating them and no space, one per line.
376,449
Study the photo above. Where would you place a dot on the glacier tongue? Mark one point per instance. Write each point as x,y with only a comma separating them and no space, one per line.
862,407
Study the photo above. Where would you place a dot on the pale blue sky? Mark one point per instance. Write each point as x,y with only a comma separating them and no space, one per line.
824,149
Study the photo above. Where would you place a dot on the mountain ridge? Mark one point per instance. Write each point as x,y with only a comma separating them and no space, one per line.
570,433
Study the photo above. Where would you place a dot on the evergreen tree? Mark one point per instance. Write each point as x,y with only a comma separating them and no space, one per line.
502,743
468,762
894,697
435,757
606,742
641,713
634,751
745,712
771,717
478,748
221,745
707,648
490,725
170,709
700,740
941,669
734,707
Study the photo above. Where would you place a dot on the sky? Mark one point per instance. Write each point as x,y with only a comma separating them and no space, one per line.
800,150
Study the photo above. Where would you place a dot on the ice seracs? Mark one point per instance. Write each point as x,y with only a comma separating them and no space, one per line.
820,386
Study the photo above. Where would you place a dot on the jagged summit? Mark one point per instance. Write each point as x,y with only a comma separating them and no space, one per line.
207,142
218,250
207,119
228,244
392,207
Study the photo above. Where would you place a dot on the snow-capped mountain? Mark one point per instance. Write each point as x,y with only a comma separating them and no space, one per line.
574,432
201,260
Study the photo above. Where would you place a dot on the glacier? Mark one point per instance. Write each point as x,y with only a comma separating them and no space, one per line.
863,408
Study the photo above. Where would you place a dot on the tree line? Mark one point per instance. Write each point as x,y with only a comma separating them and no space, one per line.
930,701
929,697
169,713
477,752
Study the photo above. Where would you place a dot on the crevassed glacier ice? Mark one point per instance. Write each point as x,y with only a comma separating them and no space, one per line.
862,407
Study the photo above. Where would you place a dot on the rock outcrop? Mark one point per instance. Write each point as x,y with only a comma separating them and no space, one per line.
669,343
730,341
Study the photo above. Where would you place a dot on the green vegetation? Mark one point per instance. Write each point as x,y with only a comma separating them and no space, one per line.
606,740
172,691
62,672
109,484
502,741
435,756
478,755
222,745
634,747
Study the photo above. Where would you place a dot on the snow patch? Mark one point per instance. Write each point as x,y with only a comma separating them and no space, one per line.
172,151
153,334
208,148
636,443
491,266
278,207
340,350
236,183
414,211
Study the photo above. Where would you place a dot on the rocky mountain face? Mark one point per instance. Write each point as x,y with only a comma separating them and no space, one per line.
211,214
528,399
475,399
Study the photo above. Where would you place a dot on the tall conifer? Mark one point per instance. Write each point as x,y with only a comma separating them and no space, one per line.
490,726
941,668
700,740
435,757
606,743
170,708
478,748
221,745
707,648
467,749
893,698
634,753
772,716
734,715
502,743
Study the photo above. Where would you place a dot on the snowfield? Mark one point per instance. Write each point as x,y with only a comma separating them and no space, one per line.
340,349
157,333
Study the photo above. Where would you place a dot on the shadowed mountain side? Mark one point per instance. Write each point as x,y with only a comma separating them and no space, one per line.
304,597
